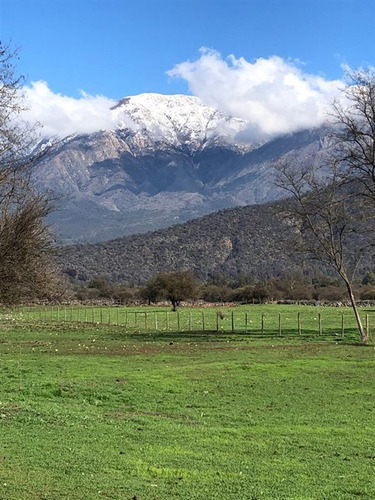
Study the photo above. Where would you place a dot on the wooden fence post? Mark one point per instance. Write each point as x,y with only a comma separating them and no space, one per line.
367,326
190,322
279,324
262,324
320,325
232,321
299,323
146,321
156,320
178,321
217,321
203,321
246,322
167,320
342,325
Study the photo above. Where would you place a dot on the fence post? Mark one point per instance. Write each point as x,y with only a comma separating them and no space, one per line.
156,320
109,315
342,325
178,321
367,326
167,320
190,323
146,321
203,321
320,325
299,323
262,324
246,322
232,321
101,315
279,324
217,321
126,319
117,315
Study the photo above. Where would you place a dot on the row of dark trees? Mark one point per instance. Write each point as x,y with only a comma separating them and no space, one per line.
175,287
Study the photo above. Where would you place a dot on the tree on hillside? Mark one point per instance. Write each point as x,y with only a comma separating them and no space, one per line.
173,286
26,267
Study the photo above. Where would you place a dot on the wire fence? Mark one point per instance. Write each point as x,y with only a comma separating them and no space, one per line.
250,321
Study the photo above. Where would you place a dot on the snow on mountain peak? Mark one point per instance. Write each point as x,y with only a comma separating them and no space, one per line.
175,120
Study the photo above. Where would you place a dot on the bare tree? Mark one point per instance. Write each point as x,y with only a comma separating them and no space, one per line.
26,267
354,133
329,206
329,225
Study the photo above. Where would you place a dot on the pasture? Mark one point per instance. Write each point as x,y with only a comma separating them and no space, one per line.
254,320
91,411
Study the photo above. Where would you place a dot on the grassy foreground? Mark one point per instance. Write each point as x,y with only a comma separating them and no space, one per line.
93,412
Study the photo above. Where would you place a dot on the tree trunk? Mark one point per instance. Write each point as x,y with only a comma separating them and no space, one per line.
363,334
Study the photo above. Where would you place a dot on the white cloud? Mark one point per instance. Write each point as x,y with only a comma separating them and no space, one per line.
60,115
273,95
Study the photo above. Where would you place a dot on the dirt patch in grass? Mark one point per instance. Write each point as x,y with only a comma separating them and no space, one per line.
9,410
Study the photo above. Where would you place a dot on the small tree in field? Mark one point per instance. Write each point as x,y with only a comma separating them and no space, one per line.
173,286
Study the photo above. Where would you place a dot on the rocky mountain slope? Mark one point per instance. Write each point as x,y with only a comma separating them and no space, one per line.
243,241
170,159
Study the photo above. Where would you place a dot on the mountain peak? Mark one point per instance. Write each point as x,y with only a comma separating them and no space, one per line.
176,120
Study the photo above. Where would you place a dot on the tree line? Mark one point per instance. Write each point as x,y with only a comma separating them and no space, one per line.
176,287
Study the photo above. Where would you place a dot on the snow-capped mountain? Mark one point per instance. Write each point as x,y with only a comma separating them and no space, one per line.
175,120
169,159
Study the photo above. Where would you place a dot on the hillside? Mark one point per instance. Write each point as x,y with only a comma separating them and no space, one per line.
236,242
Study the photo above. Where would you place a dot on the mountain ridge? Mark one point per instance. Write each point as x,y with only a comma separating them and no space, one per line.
164,163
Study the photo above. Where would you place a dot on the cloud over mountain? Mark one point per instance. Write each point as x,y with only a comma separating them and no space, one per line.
273,95
62,115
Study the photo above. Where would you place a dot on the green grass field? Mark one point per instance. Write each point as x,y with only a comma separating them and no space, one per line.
98,412
251,319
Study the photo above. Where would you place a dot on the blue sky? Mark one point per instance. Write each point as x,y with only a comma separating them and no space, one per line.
123,47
